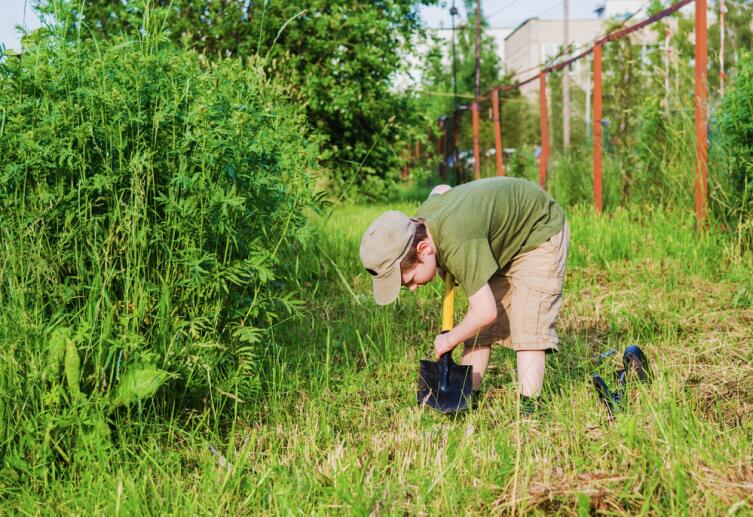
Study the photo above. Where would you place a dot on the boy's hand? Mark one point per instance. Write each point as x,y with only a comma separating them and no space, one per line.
442,344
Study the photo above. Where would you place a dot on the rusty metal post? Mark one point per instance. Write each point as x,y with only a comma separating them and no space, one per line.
598,129
544,130
447,146
566,78
476,146
497,133
455,133
406,163
701,112
441,157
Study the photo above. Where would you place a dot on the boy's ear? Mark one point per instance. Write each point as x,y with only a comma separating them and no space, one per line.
424,248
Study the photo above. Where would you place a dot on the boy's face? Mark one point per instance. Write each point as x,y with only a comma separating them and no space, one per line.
423,271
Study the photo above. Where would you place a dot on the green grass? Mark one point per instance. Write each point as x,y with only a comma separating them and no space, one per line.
337,431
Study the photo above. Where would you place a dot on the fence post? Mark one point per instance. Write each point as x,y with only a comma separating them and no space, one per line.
598,129
418,150
701,112
455,132
406,163
497,133
447,145
476,150
442,158
544,130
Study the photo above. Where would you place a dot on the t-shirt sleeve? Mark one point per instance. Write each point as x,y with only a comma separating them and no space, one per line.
472,263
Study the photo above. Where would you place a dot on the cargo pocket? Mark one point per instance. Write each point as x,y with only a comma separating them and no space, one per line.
550,245
542,301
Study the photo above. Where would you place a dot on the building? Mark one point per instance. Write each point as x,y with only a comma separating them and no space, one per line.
536,41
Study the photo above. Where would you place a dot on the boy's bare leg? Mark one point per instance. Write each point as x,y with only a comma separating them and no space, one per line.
530,371
478,357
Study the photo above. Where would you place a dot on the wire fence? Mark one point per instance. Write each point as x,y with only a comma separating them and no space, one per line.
448,126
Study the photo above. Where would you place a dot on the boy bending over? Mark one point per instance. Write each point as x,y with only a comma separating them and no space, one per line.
505,241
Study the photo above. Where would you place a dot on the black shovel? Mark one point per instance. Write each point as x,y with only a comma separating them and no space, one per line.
445,385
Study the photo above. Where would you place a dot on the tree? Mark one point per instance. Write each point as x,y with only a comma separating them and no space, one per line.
520,120
437,78
339,58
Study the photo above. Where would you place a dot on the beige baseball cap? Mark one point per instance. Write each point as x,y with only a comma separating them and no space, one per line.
384,245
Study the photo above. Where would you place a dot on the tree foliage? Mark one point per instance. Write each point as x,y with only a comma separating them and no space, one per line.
438,73
153,204
438,99
339,58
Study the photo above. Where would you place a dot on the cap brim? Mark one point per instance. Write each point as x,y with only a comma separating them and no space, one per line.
387,288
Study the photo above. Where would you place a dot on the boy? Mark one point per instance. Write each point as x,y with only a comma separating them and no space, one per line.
505,241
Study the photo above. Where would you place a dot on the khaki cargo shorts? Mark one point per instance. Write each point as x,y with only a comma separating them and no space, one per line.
529,294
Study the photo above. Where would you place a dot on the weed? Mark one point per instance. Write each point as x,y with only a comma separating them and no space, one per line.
150,210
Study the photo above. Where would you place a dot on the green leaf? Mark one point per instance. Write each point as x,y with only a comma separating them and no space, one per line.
139,382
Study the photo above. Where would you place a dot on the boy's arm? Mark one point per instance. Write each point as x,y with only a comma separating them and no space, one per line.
482,312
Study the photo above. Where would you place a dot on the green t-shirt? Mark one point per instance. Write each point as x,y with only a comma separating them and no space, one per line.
478,227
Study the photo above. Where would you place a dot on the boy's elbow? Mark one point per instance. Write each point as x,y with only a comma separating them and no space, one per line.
490,315
484,306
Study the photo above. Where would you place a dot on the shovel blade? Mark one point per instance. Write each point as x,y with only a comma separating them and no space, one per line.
447,397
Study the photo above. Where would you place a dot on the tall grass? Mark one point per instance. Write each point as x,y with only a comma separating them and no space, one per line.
732,192
335,426
150,206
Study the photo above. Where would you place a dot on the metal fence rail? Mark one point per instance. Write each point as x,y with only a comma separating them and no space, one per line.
448,124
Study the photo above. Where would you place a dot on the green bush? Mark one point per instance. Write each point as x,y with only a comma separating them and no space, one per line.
733,195
150,205
338,59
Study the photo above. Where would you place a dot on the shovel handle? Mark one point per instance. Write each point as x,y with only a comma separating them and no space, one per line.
448,310
448,302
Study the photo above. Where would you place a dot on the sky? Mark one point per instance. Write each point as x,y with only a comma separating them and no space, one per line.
503,13
12,13
510,13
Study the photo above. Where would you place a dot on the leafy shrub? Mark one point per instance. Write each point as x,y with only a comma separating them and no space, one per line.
148,208
339,60
734,193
